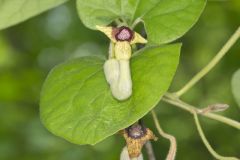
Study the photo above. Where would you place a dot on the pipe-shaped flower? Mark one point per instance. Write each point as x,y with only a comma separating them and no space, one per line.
121,34
136,136
117,68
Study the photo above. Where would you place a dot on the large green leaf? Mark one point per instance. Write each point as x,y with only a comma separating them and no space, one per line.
167,20
16,11
103,12
236,86
76,102
164,20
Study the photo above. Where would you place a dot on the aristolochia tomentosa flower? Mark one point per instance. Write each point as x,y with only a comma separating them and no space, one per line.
117,67
136,136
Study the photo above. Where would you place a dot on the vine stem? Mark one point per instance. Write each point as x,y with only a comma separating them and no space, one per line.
211,64
173,143
135,23
207,144
172,99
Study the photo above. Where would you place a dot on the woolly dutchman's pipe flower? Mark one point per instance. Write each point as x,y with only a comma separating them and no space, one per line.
117,67
136,136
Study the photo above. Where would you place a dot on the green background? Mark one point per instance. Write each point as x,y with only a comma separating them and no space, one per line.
29,50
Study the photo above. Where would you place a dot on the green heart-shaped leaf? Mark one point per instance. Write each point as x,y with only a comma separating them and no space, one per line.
16,11
103,12
236,86
164,20
76,102
167,20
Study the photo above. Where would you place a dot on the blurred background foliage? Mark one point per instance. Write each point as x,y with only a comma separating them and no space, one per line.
29,50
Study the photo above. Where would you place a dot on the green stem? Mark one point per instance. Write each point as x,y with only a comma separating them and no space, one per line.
211,64
135,23
172,99
207,144
223,119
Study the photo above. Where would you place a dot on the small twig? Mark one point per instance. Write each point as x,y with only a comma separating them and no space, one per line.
214,108
173,143
150,151
171,99
207,144
211,64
